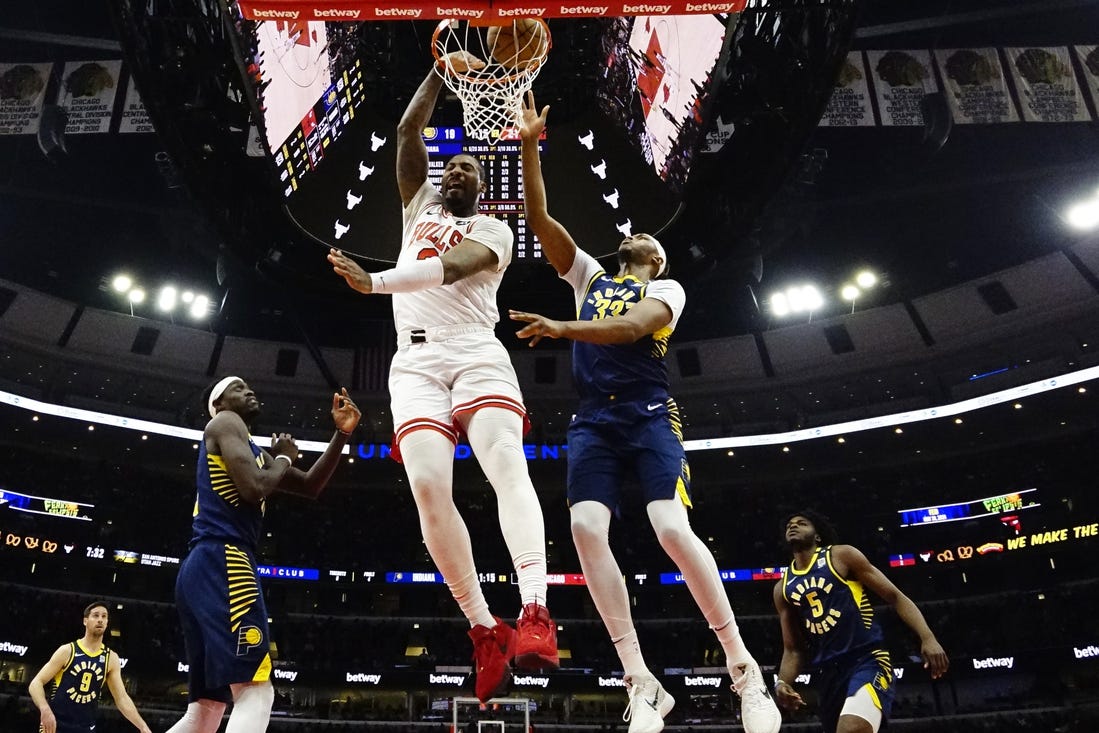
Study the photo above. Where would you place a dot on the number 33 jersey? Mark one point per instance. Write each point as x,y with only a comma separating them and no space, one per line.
636,369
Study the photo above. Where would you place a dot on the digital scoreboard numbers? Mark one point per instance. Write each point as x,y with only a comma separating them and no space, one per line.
503,196
321,125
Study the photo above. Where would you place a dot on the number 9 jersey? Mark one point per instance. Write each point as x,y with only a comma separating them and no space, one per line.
77,688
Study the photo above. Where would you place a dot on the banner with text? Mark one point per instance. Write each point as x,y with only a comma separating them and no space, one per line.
1046,85
22,92
901,80
1089,62
87,91
135,118
849,105
975,85
476,10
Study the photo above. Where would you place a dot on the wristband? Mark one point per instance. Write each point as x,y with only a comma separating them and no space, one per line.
418,275
783,683
284,458
344,433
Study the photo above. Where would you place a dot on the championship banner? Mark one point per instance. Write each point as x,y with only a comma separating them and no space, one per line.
1088,56
1046,85
849,105
901,80
481,11
135,118
975,86
87,92
22,92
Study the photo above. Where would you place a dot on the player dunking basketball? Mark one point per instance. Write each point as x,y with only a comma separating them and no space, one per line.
628,424
451,375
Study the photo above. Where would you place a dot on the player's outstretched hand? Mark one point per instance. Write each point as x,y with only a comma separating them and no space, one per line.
461,61
538,327
345,413
284,445
787,697
531,122
350,271
934,658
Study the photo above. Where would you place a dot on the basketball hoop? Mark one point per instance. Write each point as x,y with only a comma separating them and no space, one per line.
491,97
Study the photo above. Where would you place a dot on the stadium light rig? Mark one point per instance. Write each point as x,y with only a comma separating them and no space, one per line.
169,298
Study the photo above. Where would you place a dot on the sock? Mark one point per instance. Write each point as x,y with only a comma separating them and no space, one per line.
629,652
530,569
467,591
728,634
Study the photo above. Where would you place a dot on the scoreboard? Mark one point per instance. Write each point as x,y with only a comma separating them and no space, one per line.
1000,504
503,197
322,125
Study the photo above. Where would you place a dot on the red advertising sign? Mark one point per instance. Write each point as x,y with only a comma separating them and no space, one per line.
480,11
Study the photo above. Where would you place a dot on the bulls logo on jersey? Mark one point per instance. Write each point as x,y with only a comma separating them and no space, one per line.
435,238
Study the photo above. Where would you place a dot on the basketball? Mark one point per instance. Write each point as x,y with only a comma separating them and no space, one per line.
518,43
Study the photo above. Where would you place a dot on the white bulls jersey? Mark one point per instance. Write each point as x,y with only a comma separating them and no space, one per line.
429,231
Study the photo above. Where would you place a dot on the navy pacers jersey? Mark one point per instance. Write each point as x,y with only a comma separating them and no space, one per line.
638,369
221,513
77,687
836,613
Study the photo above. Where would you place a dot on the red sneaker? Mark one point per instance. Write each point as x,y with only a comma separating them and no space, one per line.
536,647
492,652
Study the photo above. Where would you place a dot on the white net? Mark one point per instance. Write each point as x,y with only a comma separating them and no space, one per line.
492,94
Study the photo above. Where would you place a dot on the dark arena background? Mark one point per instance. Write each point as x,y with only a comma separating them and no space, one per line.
885,215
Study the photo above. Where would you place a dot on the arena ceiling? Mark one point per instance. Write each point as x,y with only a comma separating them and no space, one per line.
924,209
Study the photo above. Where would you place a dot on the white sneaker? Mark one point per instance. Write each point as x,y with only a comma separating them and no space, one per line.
758,712
649,704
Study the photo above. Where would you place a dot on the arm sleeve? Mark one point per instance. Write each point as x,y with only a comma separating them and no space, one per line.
671,294
584,268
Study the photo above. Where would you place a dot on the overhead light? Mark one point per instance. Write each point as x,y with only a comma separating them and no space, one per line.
122,283
137,295
199,306
166,300
780,306
187,296
850,292
1084,215
866,279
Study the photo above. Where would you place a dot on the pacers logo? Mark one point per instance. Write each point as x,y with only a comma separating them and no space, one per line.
248,637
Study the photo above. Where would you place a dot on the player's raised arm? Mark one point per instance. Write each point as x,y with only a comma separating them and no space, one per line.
557,244
411,151
345,414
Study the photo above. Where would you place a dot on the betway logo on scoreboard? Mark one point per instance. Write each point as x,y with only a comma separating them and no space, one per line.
470,9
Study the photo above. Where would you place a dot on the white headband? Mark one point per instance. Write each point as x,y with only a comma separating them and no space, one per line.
663,256
217,391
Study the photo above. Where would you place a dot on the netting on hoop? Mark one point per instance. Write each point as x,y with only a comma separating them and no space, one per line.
491,95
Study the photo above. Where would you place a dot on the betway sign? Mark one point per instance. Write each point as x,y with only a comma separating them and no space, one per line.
369,679
451,680
994,663
480,10
1087,652
701,681
6,647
